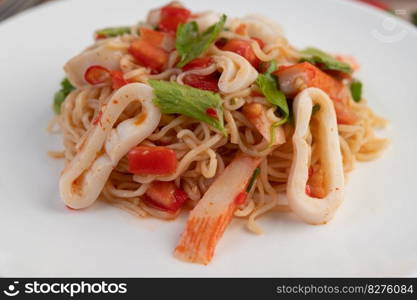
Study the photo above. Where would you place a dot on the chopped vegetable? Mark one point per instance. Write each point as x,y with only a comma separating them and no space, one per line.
212,214
190,44
174,98
244,49
324,61
356,90
146,160
164,195
172,17
255,113
163,40
293,79
96,75
241,198
117,79
59,97
268,85
111,32
253,179
148,55
198,63
203,82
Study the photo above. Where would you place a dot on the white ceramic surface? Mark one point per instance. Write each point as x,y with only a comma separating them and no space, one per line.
373,234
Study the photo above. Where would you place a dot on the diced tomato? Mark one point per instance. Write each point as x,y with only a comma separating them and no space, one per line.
315,184
203,82
198,63
211,112
163,40
152,160
241,29
243,48
96,75
241,198
259,41
172,16
117,79
165,195
293,79
148,55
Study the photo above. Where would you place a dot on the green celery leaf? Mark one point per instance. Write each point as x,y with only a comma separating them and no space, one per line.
190,44
174,98
59,97
324,60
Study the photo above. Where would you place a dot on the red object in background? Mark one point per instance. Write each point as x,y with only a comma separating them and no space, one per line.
164,195
202,82
172,16
152,160
377,4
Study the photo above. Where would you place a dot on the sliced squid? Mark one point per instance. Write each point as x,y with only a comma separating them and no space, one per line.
262,28
206,19
237,72
85,176
315,210
102,55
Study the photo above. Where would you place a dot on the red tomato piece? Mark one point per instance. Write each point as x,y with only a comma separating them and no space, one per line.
172,16
152,160
96,75
241,198
148,55
165,195
202,82
198,63
211,112
117,79
259,41
243,48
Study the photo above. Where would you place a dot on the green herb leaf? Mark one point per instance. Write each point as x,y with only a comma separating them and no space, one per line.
174,98
267,83
324,60
112,31
356,90
190,44
253,179
66,88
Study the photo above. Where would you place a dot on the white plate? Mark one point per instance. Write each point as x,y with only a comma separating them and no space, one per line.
373,234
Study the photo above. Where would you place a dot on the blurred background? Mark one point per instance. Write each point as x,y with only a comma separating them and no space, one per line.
406,9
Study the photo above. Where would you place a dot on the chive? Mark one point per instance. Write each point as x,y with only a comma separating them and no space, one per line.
356,90
253,179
